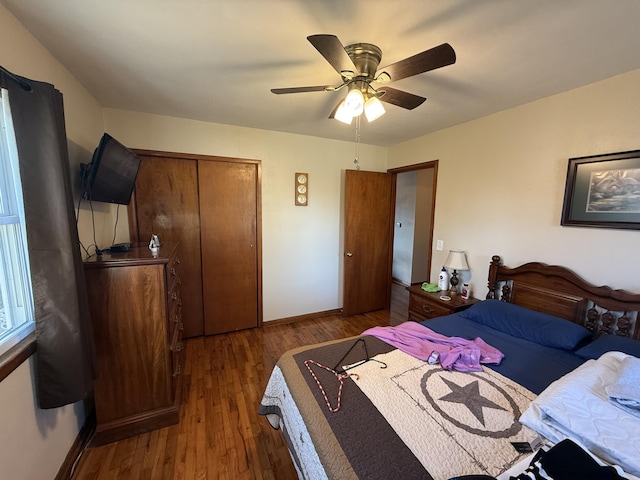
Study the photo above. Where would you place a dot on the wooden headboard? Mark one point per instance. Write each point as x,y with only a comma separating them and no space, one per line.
558,291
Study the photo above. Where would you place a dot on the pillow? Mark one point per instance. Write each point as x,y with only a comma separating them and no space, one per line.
609,343
517,321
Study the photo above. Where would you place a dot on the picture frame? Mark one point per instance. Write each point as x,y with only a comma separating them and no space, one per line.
603,191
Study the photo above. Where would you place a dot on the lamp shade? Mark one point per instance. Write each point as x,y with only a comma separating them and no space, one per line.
456,260
354,102
342,114
373,109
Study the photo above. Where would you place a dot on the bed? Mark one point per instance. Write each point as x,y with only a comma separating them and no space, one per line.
365,408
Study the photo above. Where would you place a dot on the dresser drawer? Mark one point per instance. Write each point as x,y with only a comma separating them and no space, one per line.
423,308
426,305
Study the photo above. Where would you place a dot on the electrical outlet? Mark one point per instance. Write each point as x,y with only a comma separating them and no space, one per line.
439,245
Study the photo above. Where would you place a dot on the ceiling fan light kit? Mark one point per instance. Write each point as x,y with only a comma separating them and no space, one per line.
357,65
373,109
343,114
357,102
354,102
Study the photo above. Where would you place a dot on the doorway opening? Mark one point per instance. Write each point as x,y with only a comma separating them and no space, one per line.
415,193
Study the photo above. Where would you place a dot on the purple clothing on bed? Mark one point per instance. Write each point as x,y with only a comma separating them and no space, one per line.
455,353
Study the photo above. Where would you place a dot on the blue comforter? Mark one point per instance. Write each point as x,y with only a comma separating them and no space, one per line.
532,365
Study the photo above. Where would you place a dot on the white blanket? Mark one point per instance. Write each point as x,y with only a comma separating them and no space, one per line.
577,406
277,394
625,391
468,419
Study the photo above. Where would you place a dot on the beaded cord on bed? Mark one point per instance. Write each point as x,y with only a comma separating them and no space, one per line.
340,376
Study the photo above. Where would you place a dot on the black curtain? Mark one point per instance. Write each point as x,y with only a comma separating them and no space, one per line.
64,347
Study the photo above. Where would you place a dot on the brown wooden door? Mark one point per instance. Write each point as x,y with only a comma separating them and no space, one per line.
229,232
166,203
367,241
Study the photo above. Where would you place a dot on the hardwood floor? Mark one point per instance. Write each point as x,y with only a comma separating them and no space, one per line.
220,434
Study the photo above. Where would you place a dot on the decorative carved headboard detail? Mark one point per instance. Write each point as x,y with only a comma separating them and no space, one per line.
558,291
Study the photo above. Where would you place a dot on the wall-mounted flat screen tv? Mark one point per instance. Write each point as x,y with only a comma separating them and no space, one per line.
112,173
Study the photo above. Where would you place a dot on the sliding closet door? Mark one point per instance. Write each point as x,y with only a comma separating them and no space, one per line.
166,203
229,203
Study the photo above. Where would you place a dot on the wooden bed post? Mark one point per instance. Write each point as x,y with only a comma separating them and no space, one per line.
493,273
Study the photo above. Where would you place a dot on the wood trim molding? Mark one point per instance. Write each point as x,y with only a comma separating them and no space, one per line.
415,166
299,318
77,449
400,282
192,156
411,168
17,354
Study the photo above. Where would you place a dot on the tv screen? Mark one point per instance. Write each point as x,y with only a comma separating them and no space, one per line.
112,172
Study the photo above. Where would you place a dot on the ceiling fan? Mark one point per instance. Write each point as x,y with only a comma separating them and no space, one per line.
357,65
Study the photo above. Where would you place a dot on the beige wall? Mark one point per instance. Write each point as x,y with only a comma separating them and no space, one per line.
501,183
301,246
34,442
500,189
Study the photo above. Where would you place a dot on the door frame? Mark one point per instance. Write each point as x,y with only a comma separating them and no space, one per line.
433,164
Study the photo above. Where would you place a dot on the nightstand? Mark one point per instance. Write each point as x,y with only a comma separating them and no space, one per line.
425,305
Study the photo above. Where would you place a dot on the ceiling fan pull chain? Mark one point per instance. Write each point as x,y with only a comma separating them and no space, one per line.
356,159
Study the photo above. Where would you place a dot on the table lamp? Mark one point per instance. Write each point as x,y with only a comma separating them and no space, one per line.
456,261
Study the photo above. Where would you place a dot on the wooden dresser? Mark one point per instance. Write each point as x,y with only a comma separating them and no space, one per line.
424,305
135,306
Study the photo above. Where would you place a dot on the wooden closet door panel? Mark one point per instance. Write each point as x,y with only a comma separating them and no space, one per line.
228,222
167,204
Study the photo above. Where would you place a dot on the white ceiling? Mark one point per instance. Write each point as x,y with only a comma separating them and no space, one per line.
216,60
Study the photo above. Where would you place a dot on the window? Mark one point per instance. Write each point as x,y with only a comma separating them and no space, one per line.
16,297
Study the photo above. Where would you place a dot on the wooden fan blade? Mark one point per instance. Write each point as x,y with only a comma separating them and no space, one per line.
401,99
333,51
436,57
319,88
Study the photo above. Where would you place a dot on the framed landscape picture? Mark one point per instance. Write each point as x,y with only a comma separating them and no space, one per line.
603,191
